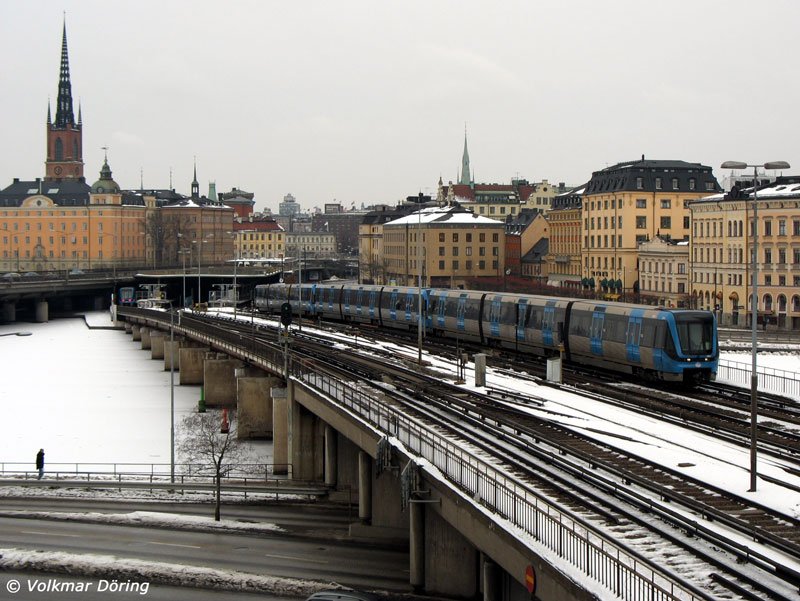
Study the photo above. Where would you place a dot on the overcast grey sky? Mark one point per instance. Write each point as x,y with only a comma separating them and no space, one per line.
365,101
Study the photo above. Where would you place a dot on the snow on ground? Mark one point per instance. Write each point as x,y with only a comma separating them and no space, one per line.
121,412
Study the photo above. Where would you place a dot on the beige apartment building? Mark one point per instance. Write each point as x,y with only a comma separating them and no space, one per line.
371,260
450,246
259,238
664,272
722,243
563,260
631,203
310,244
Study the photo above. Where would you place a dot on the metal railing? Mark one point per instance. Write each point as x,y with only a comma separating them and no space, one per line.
778,381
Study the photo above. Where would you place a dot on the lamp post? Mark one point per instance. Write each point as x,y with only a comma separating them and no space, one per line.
171,395
754,314
419,291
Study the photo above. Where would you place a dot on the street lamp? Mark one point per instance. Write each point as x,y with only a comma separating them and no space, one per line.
754,313
419,291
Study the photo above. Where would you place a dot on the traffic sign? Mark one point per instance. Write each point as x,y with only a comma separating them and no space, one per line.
530,579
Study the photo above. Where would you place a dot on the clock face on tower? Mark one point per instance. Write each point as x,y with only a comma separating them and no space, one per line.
57,170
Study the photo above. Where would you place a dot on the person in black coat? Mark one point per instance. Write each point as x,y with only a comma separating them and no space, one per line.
40,463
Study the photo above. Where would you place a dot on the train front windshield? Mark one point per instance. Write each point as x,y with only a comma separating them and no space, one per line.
696,333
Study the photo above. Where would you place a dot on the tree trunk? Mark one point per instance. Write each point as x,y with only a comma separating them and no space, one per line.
218,494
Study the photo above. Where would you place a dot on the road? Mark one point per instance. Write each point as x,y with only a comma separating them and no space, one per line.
315,545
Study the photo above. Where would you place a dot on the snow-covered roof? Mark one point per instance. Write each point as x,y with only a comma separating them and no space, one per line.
444,216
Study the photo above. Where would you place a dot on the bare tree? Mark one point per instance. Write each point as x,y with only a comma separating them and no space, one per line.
203,441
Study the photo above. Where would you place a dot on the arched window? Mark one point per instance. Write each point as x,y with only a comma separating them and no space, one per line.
782,303
796,303
767,302
75,154
59,149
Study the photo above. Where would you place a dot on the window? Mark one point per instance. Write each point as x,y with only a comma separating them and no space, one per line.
641,222
686,222
495,237
682,268
795,228
482,251
641,203
455,236
455,264
709,186
441,237
455,251
469,237
441,251
482,237
692,183
768,227
781,227
666,223
781,280
767,255
674,183
666,203
481,264
468,251
782,256
639,183
441,265
768,280
796,255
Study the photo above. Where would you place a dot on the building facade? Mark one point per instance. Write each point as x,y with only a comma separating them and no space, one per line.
563,260
631,203
320,245
259,238
447,247
664,272
722,243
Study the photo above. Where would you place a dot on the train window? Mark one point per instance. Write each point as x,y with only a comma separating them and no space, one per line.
648,334
615,328
580,322
695,333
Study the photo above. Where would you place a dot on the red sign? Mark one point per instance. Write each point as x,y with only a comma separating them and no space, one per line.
530,579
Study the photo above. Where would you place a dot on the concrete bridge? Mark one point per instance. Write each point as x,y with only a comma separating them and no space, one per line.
471,530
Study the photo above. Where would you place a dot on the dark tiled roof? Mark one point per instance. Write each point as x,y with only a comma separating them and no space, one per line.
626,176
63,193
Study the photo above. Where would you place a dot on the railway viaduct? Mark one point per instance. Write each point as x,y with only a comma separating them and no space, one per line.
471,531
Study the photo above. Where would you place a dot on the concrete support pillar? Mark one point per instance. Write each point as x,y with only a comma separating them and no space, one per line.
136,330
9,312
491,580
128,327
254,405
331,445
480,369
192,360
145,334
219,379
448,552
280,429
157,344
99,303
364,487
172,355
302,448
42,311
416,547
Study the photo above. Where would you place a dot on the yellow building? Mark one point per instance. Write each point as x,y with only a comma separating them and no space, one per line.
451,246
630,203
664,272
259,239
722,242
563,261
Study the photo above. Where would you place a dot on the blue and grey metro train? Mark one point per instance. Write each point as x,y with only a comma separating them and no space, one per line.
655,343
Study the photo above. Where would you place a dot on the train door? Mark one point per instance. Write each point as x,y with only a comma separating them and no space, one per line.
548,323
373,299
409,305
522,307
461,312
312,300
633,335
393,305
495,311
346,301
440,310
596,330
359,300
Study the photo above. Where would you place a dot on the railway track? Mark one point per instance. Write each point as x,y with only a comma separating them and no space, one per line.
599,477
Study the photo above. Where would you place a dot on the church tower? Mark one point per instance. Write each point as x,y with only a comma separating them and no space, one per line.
465,175
64,136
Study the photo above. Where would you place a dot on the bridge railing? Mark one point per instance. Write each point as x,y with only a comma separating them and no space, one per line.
778,381
624,573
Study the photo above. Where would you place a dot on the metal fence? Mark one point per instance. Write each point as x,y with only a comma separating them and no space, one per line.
777,381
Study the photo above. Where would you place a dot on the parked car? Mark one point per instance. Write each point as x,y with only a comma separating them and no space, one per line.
11,275
30,274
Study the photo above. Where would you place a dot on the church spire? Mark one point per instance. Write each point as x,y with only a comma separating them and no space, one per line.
465,179
195,183
64,114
